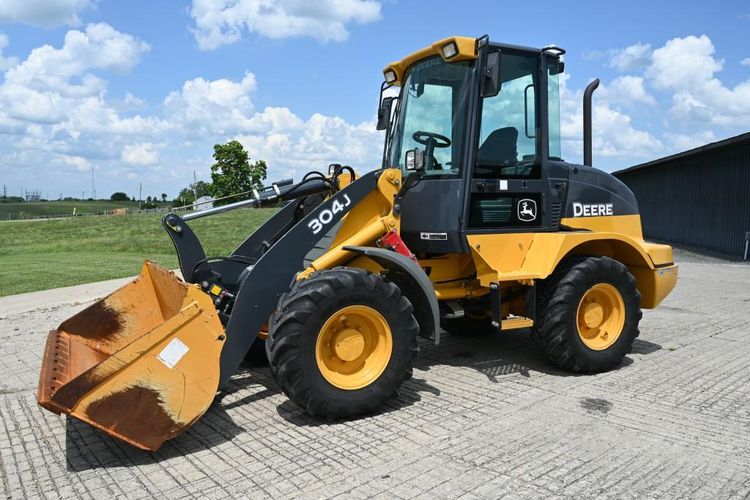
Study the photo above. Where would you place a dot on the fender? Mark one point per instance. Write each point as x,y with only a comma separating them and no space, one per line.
413,282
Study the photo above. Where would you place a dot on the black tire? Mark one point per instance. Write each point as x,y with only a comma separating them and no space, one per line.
556,332
469,326
297,321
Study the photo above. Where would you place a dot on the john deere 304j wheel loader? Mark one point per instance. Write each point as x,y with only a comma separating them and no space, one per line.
473,223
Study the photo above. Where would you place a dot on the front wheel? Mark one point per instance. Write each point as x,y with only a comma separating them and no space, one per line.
588,314
341,342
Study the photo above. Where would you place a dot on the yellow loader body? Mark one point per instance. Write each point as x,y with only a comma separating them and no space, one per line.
351,269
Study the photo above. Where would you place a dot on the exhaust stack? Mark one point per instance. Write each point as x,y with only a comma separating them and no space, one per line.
590,88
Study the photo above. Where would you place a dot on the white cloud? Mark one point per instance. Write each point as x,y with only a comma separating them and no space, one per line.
296,146
745,61
55,117
141,154
54,113
631,58
80,163
217,106
133,101
206,112
683,142
59,87
686,68
100,46
220,22
682,61
626,90
51,83
43,12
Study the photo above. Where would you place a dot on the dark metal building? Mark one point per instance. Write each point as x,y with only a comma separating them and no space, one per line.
699,198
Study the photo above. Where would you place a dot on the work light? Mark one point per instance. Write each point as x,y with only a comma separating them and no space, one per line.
450,50
390,76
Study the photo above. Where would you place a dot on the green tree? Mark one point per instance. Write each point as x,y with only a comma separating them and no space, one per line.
164,197
186,195
233,173
119,196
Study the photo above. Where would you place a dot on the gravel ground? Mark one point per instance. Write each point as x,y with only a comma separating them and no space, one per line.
483,417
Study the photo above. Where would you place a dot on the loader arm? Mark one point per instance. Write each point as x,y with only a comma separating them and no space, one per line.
265,265
368,202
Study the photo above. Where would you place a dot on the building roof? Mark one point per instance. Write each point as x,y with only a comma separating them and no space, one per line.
702,149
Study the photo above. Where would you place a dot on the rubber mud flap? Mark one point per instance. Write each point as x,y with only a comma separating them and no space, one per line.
142,364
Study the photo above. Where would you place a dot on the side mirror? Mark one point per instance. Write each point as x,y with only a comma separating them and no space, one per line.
384,113
491,78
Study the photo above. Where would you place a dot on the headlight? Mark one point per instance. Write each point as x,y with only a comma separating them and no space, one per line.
414,160
411,159
390,76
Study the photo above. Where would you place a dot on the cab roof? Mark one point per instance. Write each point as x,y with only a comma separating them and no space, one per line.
465,48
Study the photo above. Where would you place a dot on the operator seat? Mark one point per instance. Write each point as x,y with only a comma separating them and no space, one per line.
499,149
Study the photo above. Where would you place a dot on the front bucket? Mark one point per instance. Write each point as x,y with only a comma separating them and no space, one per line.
141,364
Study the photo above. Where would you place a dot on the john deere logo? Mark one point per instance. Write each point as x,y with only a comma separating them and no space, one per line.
527,210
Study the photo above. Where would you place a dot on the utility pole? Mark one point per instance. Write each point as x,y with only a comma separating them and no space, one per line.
195,187
5,191
93,189
140,194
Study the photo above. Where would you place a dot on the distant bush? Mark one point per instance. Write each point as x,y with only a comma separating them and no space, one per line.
11,199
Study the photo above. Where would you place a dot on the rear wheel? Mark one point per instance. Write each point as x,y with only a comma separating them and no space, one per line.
341,342
588,314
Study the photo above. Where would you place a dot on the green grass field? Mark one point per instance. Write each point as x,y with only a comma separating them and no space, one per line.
61,208
38,255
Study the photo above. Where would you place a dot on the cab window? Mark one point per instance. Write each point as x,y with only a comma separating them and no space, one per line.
432,116
508,132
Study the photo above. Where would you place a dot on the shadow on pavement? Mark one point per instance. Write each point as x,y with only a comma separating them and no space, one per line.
88,448
494,355
408,394
644,347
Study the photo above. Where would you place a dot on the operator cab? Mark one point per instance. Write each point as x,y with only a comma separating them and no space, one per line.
480,123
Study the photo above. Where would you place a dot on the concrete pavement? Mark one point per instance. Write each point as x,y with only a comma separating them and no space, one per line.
482,418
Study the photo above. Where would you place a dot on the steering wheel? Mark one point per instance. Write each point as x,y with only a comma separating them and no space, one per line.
431,140
437,140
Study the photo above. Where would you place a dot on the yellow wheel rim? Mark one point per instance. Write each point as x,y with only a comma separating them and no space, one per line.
354,347
600,316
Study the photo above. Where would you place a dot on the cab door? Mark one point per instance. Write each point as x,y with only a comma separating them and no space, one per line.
506,189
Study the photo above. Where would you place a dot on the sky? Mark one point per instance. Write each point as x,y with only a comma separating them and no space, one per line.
139,91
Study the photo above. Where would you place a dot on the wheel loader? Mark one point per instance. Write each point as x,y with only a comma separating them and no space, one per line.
474,223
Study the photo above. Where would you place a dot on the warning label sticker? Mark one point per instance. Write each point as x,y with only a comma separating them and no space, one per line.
173,353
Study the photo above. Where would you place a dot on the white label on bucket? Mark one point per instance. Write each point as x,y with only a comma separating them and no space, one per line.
173,353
